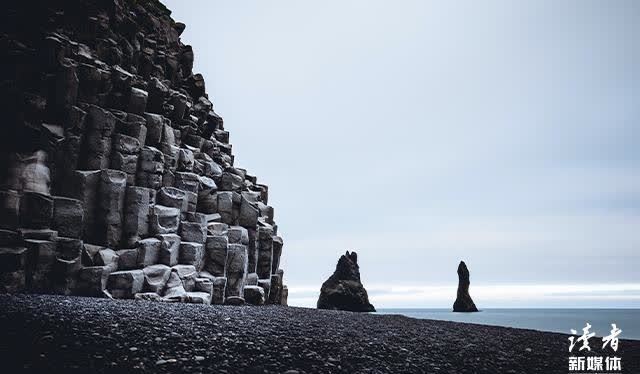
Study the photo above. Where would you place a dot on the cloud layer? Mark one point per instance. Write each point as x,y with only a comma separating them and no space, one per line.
422,133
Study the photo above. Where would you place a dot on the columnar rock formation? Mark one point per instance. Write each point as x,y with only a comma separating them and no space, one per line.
118,178
463,301
344,290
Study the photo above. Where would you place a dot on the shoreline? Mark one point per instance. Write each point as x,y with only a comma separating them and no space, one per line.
99,335
535,319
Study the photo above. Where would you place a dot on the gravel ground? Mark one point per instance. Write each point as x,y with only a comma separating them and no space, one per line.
74,334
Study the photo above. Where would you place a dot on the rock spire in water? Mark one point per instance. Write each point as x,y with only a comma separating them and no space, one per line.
344,290
463,301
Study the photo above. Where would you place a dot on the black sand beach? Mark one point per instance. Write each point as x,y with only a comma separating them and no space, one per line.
73,334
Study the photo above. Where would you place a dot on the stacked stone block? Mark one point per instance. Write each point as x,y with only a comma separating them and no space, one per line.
118,178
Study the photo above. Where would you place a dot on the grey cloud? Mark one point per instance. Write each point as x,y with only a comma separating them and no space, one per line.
421,133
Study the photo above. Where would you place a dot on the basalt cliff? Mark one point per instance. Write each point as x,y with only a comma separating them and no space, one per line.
118,178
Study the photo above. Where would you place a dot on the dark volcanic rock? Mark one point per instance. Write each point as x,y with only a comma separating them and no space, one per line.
49,333
111,143
463,302
343,290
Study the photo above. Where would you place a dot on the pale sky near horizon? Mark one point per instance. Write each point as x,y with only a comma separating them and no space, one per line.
421,133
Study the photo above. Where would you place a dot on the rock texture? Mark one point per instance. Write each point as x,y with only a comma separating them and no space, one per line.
344,290
463,301
66,334
117,177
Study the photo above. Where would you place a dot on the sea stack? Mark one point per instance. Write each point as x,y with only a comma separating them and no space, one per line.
463,301
344,290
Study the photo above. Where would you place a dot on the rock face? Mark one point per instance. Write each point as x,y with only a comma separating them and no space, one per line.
463,301
117,177
343,290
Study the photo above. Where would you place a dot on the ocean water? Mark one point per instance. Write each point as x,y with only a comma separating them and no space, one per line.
555,320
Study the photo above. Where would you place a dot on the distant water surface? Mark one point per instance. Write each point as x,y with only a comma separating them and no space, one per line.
555,320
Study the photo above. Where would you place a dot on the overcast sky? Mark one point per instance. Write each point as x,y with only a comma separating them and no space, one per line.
421,133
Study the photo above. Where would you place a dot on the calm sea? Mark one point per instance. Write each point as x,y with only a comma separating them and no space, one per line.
556,320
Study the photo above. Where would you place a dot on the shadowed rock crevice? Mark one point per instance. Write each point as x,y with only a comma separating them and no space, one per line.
344,290
463,301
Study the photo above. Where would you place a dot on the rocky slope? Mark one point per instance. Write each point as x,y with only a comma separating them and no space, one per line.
117,175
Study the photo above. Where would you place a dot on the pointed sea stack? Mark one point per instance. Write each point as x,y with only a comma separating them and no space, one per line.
463,302
343,290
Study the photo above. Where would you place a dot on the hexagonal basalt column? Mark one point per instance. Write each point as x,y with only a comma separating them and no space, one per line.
136,214
216,254
68,216
100,125
265,252
110,207
236,269
164,220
